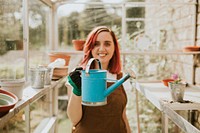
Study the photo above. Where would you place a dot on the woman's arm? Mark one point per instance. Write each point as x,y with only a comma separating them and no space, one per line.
126,121
74,108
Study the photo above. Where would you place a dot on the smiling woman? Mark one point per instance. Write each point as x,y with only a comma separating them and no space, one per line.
102,45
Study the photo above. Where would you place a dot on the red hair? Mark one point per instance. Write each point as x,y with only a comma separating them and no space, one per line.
114,65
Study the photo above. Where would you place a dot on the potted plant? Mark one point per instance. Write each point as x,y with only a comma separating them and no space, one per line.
177,88
78,44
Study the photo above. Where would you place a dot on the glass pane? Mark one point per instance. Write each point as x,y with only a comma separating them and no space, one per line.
38,33
77,20
11,43
133,28
135,12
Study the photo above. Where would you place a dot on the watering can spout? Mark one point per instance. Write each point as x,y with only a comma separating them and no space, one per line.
116,85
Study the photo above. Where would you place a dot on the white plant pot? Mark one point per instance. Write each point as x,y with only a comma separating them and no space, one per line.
15,86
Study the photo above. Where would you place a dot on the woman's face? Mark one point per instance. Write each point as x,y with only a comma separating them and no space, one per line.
104,48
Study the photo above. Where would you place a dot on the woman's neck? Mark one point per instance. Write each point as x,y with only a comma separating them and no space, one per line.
103,65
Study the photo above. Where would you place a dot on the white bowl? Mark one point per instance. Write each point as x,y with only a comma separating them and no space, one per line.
14,86
6,100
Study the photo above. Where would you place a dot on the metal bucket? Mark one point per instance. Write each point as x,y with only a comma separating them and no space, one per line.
48,76
177,91
37,77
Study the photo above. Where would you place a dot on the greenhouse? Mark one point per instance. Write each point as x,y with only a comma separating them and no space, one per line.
149,49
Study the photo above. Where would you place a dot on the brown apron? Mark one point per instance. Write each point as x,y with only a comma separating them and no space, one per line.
107,118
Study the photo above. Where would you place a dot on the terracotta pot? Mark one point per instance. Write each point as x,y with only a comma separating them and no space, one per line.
191,48
15,86
60,71
8,100
54,56
78,44
165,81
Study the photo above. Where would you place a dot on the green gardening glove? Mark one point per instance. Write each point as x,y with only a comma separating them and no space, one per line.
74,80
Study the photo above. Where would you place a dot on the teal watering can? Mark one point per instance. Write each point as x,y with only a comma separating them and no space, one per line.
94,85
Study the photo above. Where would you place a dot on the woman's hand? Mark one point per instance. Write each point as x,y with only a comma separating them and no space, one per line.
74,80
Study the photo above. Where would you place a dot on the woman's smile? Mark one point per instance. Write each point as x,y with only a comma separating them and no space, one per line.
102,54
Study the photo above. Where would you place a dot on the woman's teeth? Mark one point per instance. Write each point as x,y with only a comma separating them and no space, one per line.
102,54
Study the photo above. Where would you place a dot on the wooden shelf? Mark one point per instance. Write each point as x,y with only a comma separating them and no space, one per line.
31,95
159,52
156,52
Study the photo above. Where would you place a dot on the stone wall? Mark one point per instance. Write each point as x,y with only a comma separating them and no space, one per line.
177,20
181,24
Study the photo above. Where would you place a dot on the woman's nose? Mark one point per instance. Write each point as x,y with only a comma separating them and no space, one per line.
101,48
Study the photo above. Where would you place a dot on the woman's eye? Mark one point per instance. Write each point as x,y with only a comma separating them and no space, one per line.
107,44
96,44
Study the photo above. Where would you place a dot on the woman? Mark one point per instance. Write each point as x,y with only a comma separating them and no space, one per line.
101,44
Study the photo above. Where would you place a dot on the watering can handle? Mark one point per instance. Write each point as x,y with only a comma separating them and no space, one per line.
90,62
